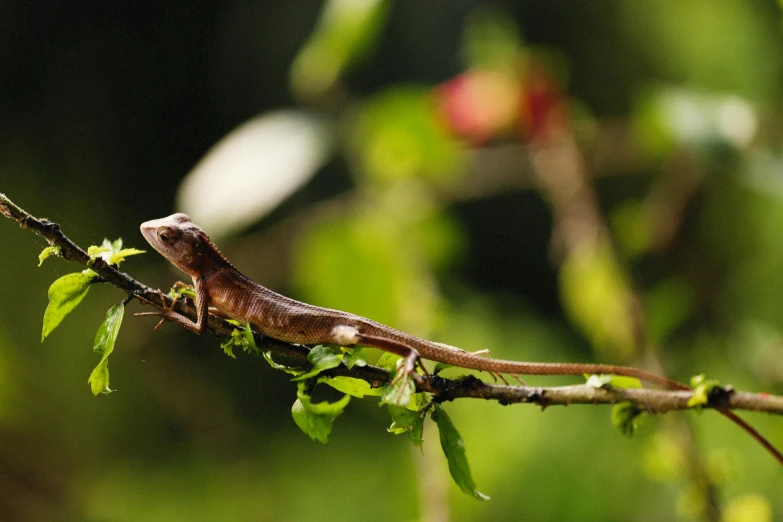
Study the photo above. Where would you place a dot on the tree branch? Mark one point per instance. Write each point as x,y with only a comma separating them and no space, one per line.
651,400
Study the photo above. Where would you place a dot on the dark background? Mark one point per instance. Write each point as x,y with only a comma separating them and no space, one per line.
107,106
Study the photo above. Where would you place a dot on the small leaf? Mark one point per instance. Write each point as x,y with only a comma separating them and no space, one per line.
416,433
352,386
242,338
388,361
399,393
288,369
104,345
317,427
332,409
612,381
316,419
47,252
228,345
701,390
628,417
621,381
179,291
99,378
94,251
107,333
355,357
409,422
64,295
118,257
322,358
250,342
402,419
112,251
237,339
454,449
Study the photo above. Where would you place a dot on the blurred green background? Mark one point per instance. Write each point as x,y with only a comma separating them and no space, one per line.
581,181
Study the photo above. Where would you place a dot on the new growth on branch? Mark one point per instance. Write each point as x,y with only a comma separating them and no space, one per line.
410,395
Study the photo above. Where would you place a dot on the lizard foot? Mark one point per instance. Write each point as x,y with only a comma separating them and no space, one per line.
407,370
496,375
517,377
166,314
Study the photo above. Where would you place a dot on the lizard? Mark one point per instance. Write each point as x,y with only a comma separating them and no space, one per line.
233,295
220,287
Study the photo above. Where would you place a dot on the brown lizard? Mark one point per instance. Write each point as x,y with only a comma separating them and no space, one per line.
234,295
220,285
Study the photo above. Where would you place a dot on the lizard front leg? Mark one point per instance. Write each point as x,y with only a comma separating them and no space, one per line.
202,311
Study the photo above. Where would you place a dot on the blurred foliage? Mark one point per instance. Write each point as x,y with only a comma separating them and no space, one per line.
595,293
395,184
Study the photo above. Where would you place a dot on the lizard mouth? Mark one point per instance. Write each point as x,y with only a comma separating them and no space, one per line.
148,229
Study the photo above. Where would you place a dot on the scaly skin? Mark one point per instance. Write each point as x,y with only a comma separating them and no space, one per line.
220,285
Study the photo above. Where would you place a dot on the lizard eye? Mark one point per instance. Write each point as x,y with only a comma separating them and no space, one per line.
166,234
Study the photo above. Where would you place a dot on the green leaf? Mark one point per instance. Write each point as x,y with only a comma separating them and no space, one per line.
454,449
288,369
402,418
322,358
107,333
250,342
316,420
104,345
355,357
94,251
47,252
621,381
242,338
118,257
99,378
178,291
64,295
388,361
407,421
352,386
112,251
612,381
399,393
701,390
228,345
628,417
416,433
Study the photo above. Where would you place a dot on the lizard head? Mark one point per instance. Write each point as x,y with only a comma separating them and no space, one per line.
180,241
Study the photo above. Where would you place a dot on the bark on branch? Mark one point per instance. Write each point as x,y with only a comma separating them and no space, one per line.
443,389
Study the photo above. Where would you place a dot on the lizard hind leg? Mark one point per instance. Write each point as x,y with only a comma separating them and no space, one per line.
411,357
405,371
495,375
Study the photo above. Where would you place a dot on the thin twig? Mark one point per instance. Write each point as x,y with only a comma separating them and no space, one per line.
651,400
